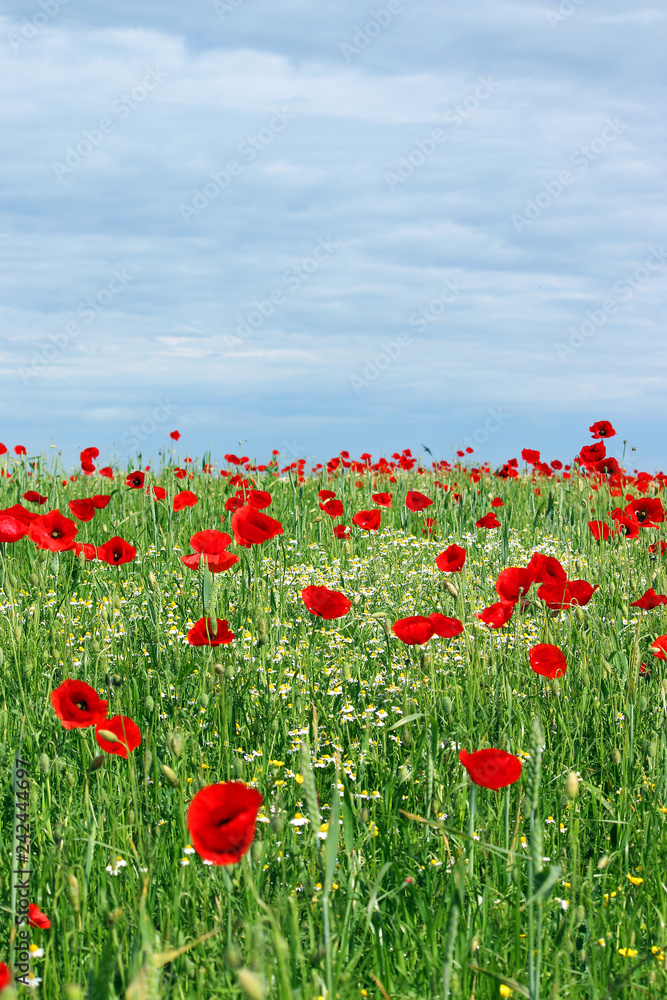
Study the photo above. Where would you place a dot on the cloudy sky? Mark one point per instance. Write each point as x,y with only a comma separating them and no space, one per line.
323,225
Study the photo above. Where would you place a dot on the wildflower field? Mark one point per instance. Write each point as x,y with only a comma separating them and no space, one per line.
373,728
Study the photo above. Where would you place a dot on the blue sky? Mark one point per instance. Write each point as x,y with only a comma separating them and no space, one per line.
317,226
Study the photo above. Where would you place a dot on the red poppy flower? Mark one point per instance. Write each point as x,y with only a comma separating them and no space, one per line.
413,631
211,545
497,502
101,500
546,569
326,495
558,596
19,450
592,453
451,560
259,499
88,454
234,503
127,733
547,660
185,499
650,600
488,521
135,480
89,551
52,531
251,527
530,456
78,705
33,497
116,551
83,510
446,628
625,524
648,511
221,821
602,429
107,472
513,583
36,918
324,603
417,501
496,615
491,768
653,549
599,530
209,633
334,508
383,499
11,529
157,492
180,473
175,435
367,520
3,449
342,530
659,647
5,974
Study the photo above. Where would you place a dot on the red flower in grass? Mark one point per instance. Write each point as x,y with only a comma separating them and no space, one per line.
602,429
446,628
491,768
496,615
251,527
89,551
342,531
648,511
513,583
127,733
367,520
650,600
659,647
383,499
414,631
36,918
625,524
592,453
259,499
221,821
324,603
333,507
135,480
451,560
116,551
5,974
33,497
530,456
558,596
547,660
599,530
661,547
52,531
546,569
488,521
83,510
107,472
19,449
417,501
497,502
175,435
210,633
78,705
3,448
211,545
180,473
185,499
325,495
157,492
11,529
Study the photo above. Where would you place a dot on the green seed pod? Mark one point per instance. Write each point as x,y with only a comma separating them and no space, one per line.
44,762
152,580
104,614
33,579
251,984
81,559
643,704
229,672
95,646
450,588
239,767
190,968
277,823
131,818
447,706
96,763
233,956
579,915
171,776
407,738
387,626
617,756
203,699
572,785
424,661
117,603
364,816
176,744
11,579
257,851
73,890
148,760
652,748
149,704
403,774
579,613
17,634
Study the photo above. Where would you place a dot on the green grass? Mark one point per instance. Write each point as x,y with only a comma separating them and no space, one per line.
390,904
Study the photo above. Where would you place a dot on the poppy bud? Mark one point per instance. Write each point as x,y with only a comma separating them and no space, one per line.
117,603
364,816
387,626
44,763
572,785
148,760
11,579
96,764
403,774
251,984
617,756
73,992
176,744
579,613
652,748
203,699
33,579
257,851
555,684
152,580
239,767
233,956
219,669
450,588
277,823
447,706
229,672
17,634
603,862
104,614
81,559
424,661
69,778
107,735
579,915
73,890
316,519
407,738
149,704
606,666
171,776
643,704
131,818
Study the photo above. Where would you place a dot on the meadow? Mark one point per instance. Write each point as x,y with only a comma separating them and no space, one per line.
378,865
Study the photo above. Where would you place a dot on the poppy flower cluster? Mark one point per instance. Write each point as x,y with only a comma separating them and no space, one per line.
78,706
211,547
417,630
